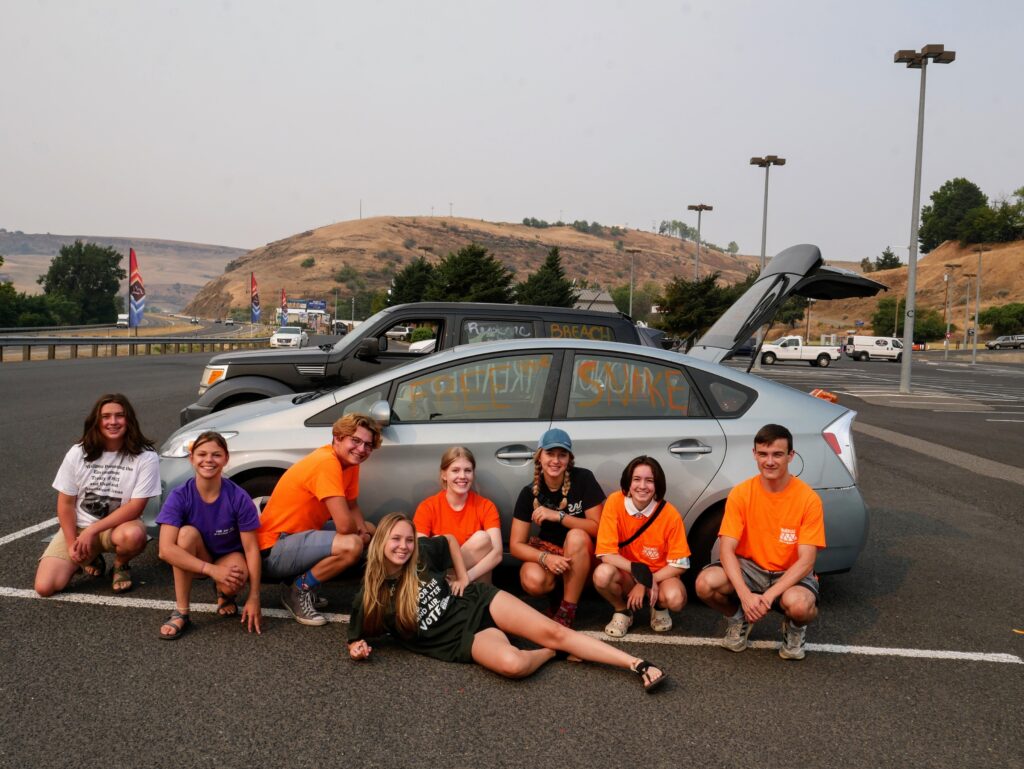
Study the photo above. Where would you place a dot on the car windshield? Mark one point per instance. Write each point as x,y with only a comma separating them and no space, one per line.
289,330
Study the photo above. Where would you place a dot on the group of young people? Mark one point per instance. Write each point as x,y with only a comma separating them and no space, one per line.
427,579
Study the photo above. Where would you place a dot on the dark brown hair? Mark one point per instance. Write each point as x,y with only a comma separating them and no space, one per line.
92,437
207,437
656,471
768,434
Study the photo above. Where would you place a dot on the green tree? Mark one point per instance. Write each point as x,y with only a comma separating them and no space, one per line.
410,283
88,276
734,247
644,297
470,275
792,311
866,265
941,220
1004,319
888,260
548,286
887,320
691,306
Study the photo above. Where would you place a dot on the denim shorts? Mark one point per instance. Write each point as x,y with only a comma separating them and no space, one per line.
294,554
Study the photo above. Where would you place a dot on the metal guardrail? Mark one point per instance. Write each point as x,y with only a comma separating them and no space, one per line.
107,346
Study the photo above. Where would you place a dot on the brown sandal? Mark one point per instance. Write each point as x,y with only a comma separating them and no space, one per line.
122,581
179,630
651,681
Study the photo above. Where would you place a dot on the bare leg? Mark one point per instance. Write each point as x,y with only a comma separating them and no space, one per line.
714,588
345,552
129,540
613,584
474,549
191,541
513,616
53,575
671,594
799,605
535,579
492,650
579,549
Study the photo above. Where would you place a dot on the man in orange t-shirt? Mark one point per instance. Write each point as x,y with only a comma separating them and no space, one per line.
771,532
312,528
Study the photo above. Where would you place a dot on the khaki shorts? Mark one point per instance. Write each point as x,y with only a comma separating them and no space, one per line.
58,547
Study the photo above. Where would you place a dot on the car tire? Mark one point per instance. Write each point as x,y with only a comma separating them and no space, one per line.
899,357
863,357
260,486
768,359
824,361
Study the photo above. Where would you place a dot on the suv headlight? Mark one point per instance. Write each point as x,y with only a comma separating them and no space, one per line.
178,445
211,375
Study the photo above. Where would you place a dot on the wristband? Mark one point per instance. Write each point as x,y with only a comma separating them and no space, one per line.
561,516
541,561
202,569
642,574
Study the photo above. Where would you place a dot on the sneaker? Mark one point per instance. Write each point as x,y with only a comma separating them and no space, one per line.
319,602
300,604
736,634
661,620
792,641
565,614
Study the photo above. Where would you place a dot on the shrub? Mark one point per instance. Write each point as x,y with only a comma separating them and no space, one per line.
409,243
421,333
309,261
346,274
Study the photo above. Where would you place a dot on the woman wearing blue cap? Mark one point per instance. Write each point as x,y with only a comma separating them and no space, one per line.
565,502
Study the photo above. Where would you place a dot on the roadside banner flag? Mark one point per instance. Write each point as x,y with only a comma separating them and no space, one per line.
254,305
284,308
136,292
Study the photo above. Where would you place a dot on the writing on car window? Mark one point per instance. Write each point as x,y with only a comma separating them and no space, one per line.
512,387
476,331
591,331
605,387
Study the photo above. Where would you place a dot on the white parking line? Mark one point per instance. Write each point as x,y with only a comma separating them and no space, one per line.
30,530
1004,420
875,651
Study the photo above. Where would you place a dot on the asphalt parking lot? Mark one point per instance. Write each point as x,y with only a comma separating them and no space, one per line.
914,660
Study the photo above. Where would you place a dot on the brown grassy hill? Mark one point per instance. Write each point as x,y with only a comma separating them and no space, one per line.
376,248
1002,282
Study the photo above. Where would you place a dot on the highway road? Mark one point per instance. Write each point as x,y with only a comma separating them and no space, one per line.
922,666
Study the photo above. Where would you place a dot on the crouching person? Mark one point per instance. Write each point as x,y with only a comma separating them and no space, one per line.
312,528
769,539
641,543
208,529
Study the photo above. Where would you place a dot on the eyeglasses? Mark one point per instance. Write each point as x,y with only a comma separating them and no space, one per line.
357,443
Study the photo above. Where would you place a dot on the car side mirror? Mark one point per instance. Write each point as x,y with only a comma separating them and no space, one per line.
380,412
382,344
367,349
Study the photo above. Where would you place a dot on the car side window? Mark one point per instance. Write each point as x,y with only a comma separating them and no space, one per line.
408,332
506,388
476,330
630,388
357,404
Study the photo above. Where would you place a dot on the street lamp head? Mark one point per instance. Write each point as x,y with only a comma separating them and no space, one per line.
701,207
917,59
768,160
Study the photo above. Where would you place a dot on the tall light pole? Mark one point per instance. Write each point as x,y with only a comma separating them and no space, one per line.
947,314
766,163
967,305
632,259
977,308
916,60
699,208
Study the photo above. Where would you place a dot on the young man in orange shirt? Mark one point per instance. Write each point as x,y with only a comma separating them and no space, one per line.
320,488
769,539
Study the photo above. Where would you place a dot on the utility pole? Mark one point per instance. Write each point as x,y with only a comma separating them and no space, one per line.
947,316
977,308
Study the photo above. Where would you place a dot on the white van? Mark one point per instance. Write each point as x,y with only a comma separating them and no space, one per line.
879,347
122,320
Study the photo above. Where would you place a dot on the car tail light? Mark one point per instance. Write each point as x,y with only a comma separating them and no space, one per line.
839,437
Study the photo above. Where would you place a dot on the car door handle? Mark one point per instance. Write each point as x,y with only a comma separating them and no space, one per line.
689,447
514,453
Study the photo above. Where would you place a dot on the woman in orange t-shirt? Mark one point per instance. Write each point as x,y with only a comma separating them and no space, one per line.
641,563
458,510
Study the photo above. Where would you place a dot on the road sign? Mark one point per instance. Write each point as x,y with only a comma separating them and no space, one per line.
970,332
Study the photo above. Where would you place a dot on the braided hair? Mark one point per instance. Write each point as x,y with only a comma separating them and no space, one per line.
537,472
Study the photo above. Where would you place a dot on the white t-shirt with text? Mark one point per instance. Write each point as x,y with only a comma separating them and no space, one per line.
102,486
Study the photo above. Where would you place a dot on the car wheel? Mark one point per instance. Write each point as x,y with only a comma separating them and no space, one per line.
899,357
768,358
864,356
260,486
702,537
824,361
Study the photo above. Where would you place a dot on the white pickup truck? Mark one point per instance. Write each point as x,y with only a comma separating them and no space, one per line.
793,348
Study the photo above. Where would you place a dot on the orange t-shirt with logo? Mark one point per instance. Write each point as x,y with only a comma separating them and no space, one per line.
435,516
664,540
769,526
297,502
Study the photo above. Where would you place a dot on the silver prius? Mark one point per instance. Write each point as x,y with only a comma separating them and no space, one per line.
617,401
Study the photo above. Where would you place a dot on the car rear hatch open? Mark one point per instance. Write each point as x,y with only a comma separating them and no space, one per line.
796,271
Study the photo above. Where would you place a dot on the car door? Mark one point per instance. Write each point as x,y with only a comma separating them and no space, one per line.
616,407
497,405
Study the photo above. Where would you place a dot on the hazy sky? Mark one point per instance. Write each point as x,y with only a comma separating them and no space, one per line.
239,123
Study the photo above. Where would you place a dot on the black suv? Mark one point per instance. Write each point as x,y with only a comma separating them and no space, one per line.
239,377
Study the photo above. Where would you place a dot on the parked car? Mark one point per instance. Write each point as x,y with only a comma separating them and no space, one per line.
399,333
793,348
237,377
289,336
617,401
877,347
229,321
1007,342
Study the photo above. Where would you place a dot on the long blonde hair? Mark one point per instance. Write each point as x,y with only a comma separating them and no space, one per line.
379,592
538,472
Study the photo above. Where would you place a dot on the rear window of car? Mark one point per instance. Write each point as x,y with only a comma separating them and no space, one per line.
606,387
726,399
475,330
593,331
